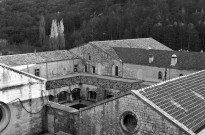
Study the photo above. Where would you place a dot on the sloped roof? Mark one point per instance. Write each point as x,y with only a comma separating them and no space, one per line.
144,43
38,57
182,100
162,58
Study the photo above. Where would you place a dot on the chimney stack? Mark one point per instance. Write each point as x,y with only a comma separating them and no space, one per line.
173,60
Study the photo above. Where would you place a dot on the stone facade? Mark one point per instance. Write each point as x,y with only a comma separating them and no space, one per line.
20,92
51,70
103,87
151,74
103,62
105,118
61,119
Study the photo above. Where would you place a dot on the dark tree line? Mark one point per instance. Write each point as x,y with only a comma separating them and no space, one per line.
179,24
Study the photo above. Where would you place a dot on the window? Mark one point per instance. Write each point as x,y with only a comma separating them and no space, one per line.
75,68
89,57
5,116
180,74
116,70
62,96
93,69
160,75
129,122
37,72
86,68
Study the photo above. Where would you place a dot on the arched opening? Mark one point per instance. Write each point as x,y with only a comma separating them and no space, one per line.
5,116
92,95
51,98
116,71
76,94
62,96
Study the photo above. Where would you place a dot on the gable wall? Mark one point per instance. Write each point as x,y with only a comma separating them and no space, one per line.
16,85
105,118
103,62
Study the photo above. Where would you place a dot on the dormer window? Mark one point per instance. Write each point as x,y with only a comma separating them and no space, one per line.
151,58
160,75
173,60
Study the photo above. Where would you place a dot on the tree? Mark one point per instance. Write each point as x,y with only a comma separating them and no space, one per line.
53,40
42,33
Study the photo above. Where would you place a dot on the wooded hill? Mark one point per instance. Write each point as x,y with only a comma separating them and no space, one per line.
179,24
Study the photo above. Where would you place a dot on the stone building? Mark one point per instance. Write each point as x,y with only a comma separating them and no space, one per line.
140,59
100,57
173,107
98,88
21,95
48,65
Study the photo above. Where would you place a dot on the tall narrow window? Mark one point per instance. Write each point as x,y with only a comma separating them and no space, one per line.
93,69
37,72
86,68
89,57
160,75
75,68
116,70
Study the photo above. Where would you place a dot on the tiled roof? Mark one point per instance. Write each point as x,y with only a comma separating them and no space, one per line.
162,58
182,99
38,57
144,43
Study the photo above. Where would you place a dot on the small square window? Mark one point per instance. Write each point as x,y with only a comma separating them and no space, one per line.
37,72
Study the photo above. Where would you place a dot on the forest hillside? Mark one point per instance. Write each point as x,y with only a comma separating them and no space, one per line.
179,24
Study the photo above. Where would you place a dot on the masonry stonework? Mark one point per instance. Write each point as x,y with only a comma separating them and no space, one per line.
103,61
105,118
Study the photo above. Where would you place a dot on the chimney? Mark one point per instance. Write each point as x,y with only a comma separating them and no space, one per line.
173,60
151,58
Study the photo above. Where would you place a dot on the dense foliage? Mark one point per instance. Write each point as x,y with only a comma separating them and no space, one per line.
179,24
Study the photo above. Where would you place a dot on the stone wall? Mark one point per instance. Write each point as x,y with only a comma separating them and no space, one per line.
53,69
60,118
103,62
95,81
105,118
150,73
21,92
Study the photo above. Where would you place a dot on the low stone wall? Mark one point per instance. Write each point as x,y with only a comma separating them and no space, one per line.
91,80
60,118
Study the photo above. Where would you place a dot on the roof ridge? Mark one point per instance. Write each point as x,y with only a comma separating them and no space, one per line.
30,53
